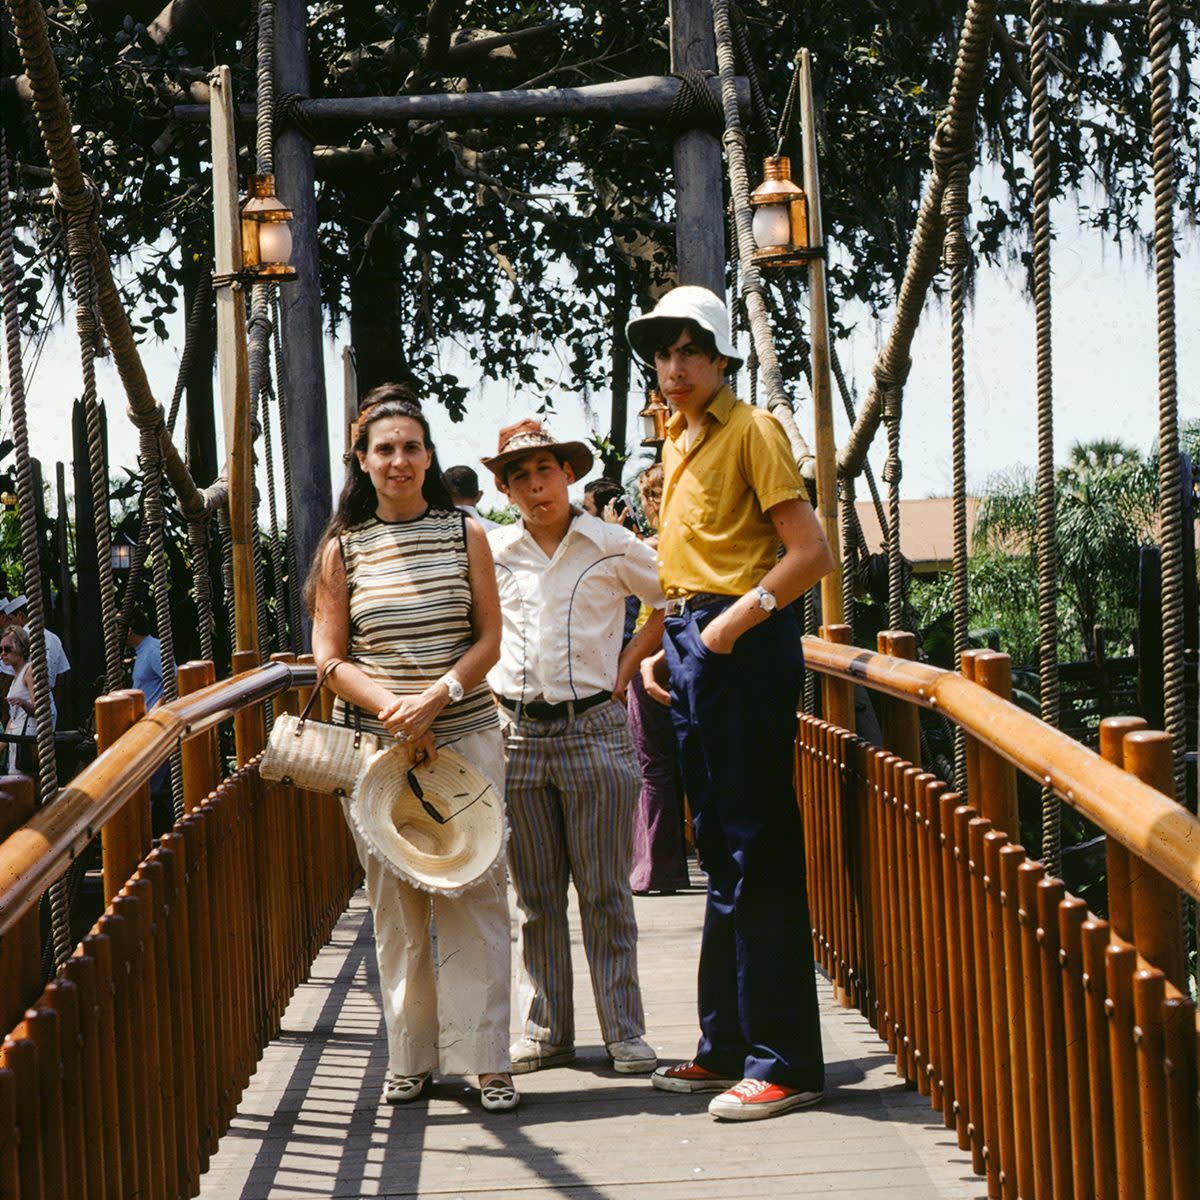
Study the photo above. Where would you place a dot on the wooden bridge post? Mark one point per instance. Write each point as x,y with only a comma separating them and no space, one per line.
1112,748
120,839
249,727
901,722
997,798
1155,903
199,753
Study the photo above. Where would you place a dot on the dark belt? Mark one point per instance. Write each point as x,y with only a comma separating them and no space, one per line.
539,710
678,605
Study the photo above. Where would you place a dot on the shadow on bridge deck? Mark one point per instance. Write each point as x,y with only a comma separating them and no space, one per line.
311,1123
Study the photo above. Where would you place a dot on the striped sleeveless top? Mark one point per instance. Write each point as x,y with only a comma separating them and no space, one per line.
410,613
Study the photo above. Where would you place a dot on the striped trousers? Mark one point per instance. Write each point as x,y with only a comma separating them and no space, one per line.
571,788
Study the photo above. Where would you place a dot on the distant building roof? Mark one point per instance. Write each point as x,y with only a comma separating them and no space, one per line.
926,530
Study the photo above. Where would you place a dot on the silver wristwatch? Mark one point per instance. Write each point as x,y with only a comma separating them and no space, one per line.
766,598
454,689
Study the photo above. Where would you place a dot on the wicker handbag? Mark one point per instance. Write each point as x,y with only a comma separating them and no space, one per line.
316,755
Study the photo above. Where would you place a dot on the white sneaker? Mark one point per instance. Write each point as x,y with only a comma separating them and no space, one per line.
632,1057
530,1055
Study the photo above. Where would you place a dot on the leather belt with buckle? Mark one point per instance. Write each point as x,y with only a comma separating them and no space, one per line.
540,710
678,605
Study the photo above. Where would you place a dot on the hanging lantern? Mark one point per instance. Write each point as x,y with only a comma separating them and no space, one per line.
121,556
266,233
654,419
780,217
8,500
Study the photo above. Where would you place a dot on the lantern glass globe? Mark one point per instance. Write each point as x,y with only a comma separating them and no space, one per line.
275,242
772,226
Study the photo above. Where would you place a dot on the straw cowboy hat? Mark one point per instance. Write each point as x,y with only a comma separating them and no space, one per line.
440,828
686,303
530,435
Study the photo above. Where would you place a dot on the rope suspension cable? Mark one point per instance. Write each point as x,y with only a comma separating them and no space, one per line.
734,141
924,256
1161,31
282,599
955,207
1047,557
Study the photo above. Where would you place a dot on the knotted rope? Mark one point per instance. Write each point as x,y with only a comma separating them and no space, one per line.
1047,555
954,138
734,141
694,105
293,570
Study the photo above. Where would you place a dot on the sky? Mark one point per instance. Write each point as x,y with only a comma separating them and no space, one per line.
1105,374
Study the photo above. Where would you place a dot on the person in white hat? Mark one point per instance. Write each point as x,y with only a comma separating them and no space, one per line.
57,663
738,543
571,775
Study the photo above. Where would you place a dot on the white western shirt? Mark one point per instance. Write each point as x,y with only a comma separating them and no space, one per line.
564,616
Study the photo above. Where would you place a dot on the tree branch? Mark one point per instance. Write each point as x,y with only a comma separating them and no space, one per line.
439,26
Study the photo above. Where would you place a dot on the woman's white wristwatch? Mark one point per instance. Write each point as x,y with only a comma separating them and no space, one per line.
454,689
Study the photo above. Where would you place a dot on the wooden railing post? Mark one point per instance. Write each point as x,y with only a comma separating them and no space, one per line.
900,722
1112,748
997,778
970,786
837,695
1155,903
120,840
199,755
249,728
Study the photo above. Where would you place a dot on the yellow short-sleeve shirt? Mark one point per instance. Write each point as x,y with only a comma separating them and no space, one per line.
715,534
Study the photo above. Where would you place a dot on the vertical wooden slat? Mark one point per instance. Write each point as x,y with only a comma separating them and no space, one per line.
1050,893
1149,992
1180,1046
115,1101
80,969
964,815
1094,936
837,696
928,795
955,1078
19,1055
198,758
918,963
989,992
10,1161
1029,876
1011,858
43,1029
1072,913
63,996
998,1098
1120,962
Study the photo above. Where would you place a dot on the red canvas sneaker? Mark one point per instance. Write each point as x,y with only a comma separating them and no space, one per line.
753,1099
689,1077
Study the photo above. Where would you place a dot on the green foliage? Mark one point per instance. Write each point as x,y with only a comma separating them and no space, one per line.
505,239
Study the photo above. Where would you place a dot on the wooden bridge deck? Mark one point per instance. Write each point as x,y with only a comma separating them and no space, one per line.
311,1123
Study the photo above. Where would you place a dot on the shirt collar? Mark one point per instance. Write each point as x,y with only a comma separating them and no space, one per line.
720,406
581,522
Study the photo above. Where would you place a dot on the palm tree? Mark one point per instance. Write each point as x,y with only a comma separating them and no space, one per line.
1104,504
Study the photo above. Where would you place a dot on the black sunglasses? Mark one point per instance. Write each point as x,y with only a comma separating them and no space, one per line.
419,792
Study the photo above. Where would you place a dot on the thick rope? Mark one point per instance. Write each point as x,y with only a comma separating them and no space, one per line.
1161,28
957,254
198,543
283,607
892,473
850,539
153,519
201,305
954,139
1047,556
734,141
694,106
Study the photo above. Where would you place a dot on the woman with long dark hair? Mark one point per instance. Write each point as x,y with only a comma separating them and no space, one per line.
403,590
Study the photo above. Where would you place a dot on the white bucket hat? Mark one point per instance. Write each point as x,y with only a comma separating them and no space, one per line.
686,303
440,828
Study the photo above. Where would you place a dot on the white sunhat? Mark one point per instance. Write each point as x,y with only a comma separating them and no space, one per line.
686,303
22,601
444,837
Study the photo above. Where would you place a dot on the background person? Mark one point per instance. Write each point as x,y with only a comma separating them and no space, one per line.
147,677
659,855
57,663
466,493
571,775
404,592
22,720
732,500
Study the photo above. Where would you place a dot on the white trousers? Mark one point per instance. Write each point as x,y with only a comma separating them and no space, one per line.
451,1015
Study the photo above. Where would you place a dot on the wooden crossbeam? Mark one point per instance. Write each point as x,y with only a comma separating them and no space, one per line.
646,98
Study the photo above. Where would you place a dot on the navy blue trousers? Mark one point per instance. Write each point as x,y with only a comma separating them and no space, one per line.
735,721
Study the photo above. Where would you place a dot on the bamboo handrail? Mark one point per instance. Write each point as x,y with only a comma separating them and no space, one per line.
40,851
1164,834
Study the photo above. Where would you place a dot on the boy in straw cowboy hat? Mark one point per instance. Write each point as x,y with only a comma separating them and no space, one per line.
571,775
738,542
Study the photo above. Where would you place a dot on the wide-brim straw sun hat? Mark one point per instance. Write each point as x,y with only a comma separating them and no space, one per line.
529,436
688,302
400,829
